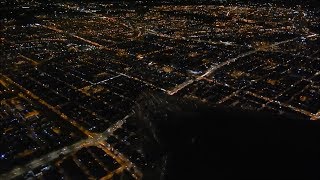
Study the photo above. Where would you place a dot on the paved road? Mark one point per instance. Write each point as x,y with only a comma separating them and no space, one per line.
95,140
213,68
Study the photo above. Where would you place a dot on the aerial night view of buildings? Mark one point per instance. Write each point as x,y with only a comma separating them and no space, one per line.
71,73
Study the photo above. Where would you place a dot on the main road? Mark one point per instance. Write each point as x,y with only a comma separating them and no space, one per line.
97,140
214,68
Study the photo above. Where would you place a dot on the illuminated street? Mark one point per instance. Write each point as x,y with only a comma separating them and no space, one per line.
72,72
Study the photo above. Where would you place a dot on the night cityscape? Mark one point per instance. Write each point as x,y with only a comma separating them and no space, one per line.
71,73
